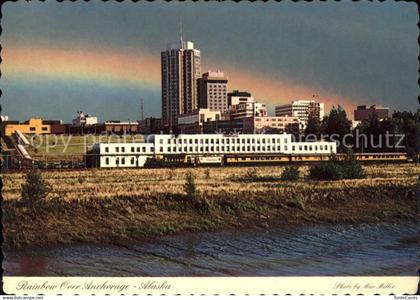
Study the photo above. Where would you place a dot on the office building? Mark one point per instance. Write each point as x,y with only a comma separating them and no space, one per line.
212,91
181,67
363,112
192,122
83,119
236,97
301,109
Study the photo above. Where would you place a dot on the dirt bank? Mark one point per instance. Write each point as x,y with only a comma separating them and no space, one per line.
106,218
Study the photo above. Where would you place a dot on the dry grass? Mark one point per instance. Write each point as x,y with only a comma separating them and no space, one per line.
110,205
103,183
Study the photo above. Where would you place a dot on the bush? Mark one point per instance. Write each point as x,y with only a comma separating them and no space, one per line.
333,169
352,168
35,189
290,173
207,173
251,175
330,170
81,179
190,187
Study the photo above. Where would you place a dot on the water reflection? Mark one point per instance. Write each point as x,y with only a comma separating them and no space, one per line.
386,249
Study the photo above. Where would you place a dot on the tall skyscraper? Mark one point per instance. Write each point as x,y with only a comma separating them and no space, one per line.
181,67
212,91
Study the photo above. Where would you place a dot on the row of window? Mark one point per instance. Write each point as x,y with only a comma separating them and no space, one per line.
34,129
222,141
121,161
133,149
238,148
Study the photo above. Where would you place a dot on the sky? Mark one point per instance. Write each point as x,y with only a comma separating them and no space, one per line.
102,57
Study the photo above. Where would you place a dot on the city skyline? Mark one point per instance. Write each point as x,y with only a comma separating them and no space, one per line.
56,71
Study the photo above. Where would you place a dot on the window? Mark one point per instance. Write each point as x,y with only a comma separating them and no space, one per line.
160,149
122,149
117,161
132,161
138,149
107,160
132,149
123,161
117,149
44,128
106,149
32,128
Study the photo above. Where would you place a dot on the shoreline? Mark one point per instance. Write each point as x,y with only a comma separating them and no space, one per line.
126,218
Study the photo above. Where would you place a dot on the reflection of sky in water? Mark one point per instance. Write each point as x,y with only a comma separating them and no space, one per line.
385,249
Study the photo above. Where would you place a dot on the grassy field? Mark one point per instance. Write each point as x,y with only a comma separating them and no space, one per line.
114,205
68,147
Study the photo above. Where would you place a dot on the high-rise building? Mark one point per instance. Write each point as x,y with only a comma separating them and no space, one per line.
301,109
363,112
181,67
212,91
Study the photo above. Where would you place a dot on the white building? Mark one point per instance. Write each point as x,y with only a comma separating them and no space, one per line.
301,109
4,118
84,119
136,154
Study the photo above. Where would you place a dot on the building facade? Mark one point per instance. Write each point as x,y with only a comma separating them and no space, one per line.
271,124
136,154
363,112
212,91
150,126
192,122
180,69
83,119
32,126
248,109
236,97
301,109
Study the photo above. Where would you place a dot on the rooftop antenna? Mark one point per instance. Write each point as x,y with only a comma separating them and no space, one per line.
180,28
141,109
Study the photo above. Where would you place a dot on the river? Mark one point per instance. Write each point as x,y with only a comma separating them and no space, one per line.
323,250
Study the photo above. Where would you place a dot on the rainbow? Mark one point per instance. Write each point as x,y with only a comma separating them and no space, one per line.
112,67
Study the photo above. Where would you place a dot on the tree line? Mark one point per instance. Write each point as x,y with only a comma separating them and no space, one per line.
400,133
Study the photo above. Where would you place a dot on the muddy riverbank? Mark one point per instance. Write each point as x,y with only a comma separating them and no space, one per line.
122,217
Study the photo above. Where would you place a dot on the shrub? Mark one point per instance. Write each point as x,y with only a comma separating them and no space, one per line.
333,169
251,175
35,189
207,173
329,170
352,167
81,179
190,187
290,173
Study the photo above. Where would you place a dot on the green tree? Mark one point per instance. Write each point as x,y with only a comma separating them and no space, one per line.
336,125
313,127
352,168
35,189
